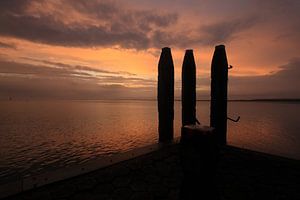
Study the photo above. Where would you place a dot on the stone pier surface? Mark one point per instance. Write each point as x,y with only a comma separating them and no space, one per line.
241,174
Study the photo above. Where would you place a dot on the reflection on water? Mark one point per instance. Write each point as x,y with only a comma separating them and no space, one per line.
270,127
37,136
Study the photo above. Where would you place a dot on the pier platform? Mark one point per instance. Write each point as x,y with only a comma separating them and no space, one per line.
242,174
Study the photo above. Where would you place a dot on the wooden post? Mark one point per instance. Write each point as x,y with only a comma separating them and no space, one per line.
165,95
199,155
218,107
188,95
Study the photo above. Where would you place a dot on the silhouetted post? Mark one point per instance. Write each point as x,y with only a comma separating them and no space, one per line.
165,95
188,95
199,155
218,107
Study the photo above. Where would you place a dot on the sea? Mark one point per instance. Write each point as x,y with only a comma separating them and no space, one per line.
37,136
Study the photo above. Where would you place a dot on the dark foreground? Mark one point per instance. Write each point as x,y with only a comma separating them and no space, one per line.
242,174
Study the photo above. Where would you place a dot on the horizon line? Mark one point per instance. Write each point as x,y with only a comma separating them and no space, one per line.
145,99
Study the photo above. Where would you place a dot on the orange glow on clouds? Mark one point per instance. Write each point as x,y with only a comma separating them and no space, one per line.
125,38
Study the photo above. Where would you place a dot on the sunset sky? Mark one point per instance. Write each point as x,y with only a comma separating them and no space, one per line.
102,49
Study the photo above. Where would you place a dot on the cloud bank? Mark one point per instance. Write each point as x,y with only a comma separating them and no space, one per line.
270,27
82,23
105,23
283,83
62,81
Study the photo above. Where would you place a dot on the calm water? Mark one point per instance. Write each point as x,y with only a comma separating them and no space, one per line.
40,136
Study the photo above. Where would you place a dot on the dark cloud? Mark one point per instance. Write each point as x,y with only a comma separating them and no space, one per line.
55,88
116,11
110,23
66,71
114,25
207,35
8,68
79,67
284,83
47,30
124,27
30,81
21,80
224,31
13,6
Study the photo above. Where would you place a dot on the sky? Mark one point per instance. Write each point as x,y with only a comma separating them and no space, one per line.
109,49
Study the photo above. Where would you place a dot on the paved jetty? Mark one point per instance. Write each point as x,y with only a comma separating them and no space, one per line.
242,174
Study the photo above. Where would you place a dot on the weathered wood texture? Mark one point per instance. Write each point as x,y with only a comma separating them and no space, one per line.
218,107
165,95
188,91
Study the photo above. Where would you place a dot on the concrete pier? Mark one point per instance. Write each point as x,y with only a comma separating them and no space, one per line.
241,174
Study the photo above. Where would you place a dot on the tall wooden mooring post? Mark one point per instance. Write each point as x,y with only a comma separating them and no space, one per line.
188,90
165,95
219,83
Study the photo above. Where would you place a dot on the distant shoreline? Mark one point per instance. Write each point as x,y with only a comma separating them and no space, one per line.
230,100
271,100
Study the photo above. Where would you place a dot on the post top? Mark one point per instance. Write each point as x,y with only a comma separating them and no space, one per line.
166,49
222,46
189,50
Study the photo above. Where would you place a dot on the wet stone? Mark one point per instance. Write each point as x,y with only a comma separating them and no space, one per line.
104,189
138,186
171,159
138,176
141,195
161,179
121,181
102,196
83,196
150,169
86,184
174,194
62,191
148,161
152,178
103,177
122,193
119,170
157,189
134,166
172,182
37,195
163,171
